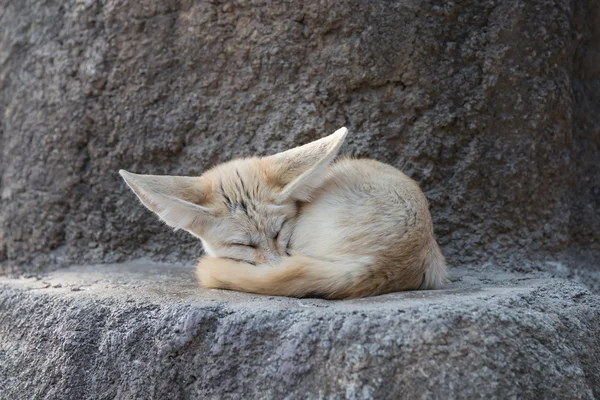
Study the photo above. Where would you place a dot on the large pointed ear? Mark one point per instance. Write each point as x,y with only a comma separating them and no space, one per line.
301,170
178,200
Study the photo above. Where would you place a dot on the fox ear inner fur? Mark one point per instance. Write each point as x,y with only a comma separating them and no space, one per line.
175,199
302,170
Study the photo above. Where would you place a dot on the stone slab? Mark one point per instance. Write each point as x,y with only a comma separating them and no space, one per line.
142,330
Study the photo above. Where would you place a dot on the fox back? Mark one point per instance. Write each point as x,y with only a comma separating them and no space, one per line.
299,224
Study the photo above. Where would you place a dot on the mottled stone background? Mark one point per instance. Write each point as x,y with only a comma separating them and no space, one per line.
493,106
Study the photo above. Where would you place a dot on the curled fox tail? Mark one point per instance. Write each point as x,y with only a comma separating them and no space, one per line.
302,276
436,275
295,276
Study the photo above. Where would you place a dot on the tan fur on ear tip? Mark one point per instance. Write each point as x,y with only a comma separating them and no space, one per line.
342,132
129,177
126,175
130,180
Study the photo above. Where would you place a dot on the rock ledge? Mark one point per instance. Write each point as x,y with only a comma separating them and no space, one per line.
143,330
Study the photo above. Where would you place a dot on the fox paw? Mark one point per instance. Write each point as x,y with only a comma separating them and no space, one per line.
213,272
204,272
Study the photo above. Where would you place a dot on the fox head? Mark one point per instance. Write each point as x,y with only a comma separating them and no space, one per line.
244,209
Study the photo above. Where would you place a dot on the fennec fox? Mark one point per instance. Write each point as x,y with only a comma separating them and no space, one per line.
296,224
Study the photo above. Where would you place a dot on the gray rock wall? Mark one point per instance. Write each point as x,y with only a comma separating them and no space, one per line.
490,105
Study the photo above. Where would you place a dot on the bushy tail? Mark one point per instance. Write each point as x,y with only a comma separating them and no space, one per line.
296,276
301,276
436,275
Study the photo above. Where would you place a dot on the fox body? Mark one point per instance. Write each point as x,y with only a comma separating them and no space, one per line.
298,224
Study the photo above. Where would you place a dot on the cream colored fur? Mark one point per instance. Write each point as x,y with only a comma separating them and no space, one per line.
297,224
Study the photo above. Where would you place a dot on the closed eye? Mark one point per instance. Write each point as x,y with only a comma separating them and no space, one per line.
243,261
251,245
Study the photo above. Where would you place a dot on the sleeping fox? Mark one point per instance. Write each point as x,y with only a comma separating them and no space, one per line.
298,224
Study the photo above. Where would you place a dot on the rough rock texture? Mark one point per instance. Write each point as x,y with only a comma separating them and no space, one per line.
142,331
490,105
